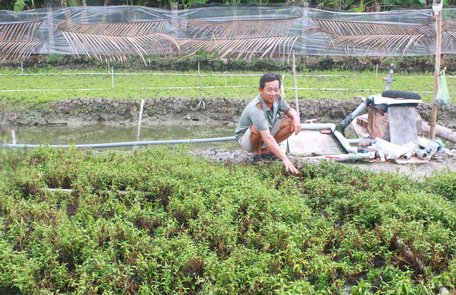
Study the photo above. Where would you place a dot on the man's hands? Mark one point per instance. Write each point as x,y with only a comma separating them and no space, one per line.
296,126
273,147
289,167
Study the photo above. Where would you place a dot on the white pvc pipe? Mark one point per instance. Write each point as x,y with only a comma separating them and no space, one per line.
317,126
13,136
360,140
313,126
347,157
141,107
121,144
345,144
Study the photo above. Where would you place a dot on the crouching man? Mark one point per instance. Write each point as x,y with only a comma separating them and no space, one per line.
267,121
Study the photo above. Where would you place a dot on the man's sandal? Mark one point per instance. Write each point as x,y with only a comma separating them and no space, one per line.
270,156
256,159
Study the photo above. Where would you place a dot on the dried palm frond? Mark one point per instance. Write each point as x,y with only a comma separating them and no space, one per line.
118,41
278,46
394,43
114,29
21,31
375,36
17,51
449,27
241,38
17,40
238,28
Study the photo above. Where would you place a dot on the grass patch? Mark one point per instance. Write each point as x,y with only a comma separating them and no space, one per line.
49,85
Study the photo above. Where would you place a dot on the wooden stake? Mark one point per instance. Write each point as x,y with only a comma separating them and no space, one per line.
438,50
296,86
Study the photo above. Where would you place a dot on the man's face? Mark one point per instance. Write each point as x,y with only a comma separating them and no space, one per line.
270,92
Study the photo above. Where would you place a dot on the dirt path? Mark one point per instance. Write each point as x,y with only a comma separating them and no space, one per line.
440,162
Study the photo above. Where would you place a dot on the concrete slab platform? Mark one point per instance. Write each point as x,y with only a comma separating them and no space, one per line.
310,143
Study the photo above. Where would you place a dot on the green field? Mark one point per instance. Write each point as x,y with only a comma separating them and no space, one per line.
158,221
51,85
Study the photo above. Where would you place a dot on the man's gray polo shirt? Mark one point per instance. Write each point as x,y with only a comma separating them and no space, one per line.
264,118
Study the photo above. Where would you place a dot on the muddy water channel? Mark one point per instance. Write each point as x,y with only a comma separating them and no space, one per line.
110,134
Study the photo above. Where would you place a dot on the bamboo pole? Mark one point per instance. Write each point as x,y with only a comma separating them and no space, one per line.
438,49
296,87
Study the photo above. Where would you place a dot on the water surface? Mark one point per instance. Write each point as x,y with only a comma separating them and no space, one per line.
109,134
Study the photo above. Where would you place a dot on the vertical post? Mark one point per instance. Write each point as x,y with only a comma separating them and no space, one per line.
112,77
295,86
437,7
353,83
389,78
198,68
141,108
50,30
305,12
13,136
22,67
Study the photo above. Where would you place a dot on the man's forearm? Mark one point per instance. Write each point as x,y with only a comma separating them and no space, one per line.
293,115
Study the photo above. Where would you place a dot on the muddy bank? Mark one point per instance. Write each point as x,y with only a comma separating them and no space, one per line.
77,112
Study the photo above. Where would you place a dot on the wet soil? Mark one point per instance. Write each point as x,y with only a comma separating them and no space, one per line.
77,112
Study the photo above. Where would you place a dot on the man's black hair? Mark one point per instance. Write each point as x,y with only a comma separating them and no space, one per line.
268,77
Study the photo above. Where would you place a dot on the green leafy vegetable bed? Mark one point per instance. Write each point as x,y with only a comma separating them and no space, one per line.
159,221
